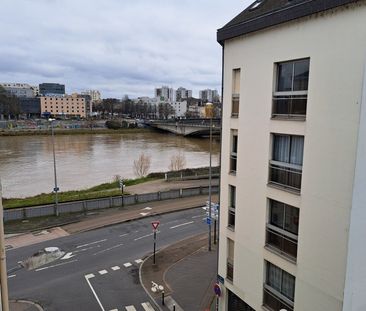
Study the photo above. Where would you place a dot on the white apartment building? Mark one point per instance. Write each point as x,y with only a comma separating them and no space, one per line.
293,163
182,93
209,95
94,94
180,108
164,94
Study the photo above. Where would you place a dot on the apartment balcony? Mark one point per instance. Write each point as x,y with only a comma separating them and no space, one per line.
289,106
230,270
231,219
235,106
274,301
285,175
282,242
233,163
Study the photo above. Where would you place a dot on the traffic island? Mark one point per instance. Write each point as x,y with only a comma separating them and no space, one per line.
166,278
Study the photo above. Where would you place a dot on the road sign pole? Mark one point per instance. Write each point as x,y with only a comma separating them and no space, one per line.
155,225
154,245
215,231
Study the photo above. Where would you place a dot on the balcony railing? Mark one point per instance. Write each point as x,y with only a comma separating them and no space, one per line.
282,241
235,106
289,106
233,162
273,301
231,220
285,175
230,270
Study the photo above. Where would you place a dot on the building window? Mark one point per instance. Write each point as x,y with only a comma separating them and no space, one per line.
285,168
235,93
283,228
235,303
291,89
230,260
233,152
279,289
232,199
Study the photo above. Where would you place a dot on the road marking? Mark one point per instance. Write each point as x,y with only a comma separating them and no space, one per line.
147,208
147,306
89,276
115,268
123,235
127,264
144,214
91,243
198,216
180,225
11,276
85,249
101,272
130,308
114,310
138,261
59,264
67,256
93,291
145,236
108,249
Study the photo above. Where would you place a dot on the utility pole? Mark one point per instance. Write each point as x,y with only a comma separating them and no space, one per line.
3,272
55,189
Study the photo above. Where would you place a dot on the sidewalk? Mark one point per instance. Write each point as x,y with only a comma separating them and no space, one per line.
23,305
191,291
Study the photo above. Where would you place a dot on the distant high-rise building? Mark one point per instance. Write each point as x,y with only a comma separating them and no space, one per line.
209,95
94,94
21,90
164,94
182,93
51,89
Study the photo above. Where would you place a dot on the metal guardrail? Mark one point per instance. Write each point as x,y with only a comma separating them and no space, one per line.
103,203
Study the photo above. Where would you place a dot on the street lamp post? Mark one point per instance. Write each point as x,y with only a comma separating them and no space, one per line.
3,273
55,189
209,107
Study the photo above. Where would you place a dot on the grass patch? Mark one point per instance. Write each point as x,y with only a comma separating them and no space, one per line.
99,191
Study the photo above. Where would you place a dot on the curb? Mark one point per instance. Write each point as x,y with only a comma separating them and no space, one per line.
27,302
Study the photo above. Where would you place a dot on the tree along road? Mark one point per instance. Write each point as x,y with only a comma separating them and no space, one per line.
100,268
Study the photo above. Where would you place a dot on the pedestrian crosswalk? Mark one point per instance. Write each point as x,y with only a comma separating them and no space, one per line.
145,305
116,268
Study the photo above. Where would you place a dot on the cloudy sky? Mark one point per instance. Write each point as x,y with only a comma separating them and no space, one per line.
116,46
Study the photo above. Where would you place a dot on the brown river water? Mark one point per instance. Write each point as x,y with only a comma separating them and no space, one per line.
26,162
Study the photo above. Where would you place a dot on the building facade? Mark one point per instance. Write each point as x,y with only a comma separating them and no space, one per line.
21,90
94,95
68,106
51,89
164,94
209,95
293,162
181,93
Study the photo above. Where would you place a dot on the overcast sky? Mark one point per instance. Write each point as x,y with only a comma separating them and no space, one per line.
116,46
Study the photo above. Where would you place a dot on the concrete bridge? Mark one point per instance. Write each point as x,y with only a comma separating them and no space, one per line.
187,127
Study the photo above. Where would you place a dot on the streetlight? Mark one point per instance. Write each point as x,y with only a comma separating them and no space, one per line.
3,273
55,189
209,113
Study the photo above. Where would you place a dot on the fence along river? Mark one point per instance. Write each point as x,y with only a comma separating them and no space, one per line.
26,162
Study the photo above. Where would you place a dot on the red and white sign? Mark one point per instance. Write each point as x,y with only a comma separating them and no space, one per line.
155,224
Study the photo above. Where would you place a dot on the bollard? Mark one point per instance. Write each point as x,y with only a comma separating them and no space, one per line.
173,307
162,298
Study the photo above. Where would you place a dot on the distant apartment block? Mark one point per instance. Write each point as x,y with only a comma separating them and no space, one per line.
181,93
293,159
68,106
94,95
164,94
180,108
21,90
209,95
51,89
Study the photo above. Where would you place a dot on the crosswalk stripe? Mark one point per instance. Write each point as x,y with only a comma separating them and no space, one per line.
127,264
115,268
130,308
101,272
114,310
138,260
147,306
89,276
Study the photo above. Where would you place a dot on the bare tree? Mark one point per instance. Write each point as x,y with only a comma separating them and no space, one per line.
141,166
177,162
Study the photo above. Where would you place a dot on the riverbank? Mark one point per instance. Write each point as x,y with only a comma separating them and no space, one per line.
73,131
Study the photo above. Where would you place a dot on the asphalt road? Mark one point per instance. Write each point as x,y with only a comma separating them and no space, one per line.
101,268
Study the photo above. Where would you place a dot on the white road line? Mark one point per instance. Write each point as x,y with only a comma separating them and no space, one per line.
127,264
130,308
101,272
115,268
95,295
147,306
108,249
145,236
123,235
91,243
180,225
198,216
144,214
114,310
60,264
89,276
138,261
147,208
11,276
85,249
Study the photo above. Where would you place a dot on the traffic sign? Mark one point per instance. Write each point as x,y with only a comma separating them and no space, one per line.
155,224
208,220
217,289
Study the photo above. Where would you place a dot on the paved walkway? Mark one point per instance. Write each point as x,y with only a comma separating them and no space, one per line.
23,305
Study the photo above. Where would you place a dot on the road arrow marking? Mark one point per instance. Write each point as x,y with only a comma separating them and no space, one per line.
67,256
